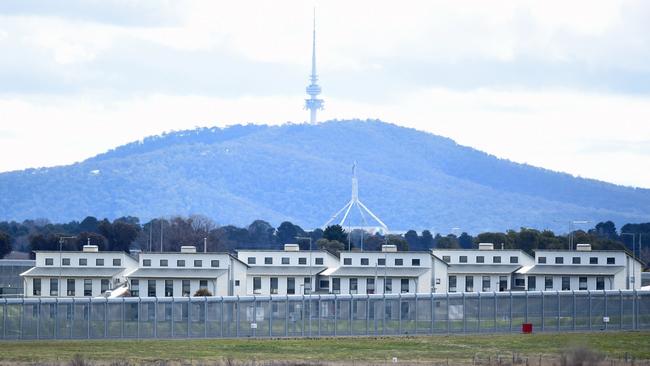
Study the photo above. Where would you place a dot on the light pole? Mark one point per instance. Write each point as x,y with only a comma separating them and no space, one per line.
573,224
633,279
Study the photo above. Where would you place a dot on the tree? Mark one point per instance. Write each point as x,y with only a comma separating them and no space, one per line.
605,230
203,292
446,242
397,240
426,240
92,239
335,232
287,233
465,241
261,233
5,244
89,224
412,239
332,246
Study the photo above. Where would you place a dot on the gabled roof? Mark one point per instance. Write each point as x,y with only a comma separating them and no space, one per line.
552,269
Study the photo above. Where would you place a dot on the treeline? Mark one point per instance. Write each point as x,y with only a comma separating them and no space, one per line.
169,234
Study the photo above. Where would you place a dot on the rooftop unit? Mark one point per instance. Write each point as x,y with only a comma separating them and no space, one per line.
291,248
583,247
188,249
485,246
389,248
90,249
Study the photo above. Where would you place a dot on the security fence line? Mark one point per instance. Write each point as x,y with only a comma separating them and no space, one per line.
322,315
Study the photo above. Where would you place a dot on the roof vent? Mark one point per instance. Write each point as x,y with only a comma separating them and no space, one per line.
188,249
583,247
291,248
485,246
90,248
389,248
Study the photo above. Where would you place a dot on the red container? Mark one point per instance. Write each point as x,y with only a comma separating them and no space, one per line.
527,328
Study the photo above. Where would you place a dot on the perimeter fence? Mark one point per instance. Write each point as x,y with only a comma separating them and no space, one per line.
323,315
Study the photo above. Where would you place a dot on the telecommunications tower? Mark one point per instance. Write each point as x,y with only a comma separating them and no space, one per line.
313,89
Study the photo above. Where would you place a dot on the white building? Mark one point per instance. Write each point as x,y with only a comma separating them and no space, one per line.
176,274
582,269
87,273
387,271
484,270
286,272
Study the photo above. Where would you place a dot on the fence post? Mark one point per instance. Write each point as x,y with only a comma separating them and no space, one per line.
255,314
416,313
270,316
573,294
510,310
90,307
122,325
172,318
138,314
286,315
558,310
205,317
351,314
464,315
542,302
221,317
448,317
606,313
319,312
22,318
72,317
155,317
620,306
478,314
105,318
496,311
433,313
237,317
383,318
38,319
399,312
302,314
4,318
635,308
526,309
589,300
56,318
189,316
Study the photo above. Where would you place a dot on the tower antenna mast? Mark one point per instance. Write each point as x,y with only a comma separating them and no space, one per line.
313,104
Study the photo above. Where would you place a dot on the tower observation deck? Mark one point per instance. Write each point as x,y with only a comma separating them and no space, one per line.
313,104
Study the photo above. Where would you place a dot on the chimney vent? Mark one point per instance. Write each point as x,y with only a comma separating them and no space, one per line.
485,246
90,249
389,248
188,249
583,247
291,248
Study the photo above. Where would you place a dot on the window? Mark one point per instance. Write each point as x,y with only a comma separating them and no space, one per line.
593,260
285,260
404,285
566,283
600,283
503,283
291,285
104,285
399,261
151,288
185,291
336,285
268,260
257,285
203,284
135,288
180,263
548,283
452,283
496,259
520,283
415,262
541,260
65,261
251,260
236,283
381,261
514,259
480,259
274,285
582,283
364,261
532,283
319,261
117,262
462,259
99,262
486,283
163,262
214,263
347,261
446,258
302,260
49,261
370,285
611,260
70,286
36,284
146,262
575,260
169,288
469,283
388,285
307,282
354,285
559,260
198,263
83,261
324,284
54,287
88,287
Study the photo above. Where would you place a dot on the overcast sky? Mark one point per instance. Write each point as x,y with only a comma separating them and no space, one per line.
562,85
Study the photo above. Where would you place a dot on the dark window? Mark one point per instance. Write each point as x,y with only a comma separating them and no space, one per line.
503,283
462,259
302,260
88,287
566,283
185,291
415,262
541,260
611,260
347,261
49,261
54,287
480,259
486,283
364,261
285,260
36,287
117,262
257,284
319,261
388,285
496,259
520,282
514,259
600,283
274,285
83,261
582,283
548,283
532,283
65,262
559,260
370,285
404,285
336,285
251,260
214,263
291,285
169,288
452,283
446,258
469,283
236,282
99,262
593,260
575,260
198,263
203,284
146,262
307,282
381,261
70,287
180,263
324,284
163,262
268,260
151,288
399,262
354,285
104,285
135,288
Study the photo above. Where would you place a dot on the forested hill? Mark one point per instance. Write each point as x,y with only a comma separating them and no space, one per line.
301,173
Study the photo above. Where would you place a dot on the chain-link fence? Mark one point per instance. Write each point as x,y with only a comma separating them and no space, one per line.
322,315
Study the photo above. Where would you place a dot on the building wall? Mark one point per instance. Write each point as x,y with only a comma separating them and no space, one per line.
454,255
478,282
63,286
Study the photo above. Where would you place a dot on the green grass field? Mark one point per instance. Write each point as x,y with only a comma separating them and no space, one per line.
415,349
